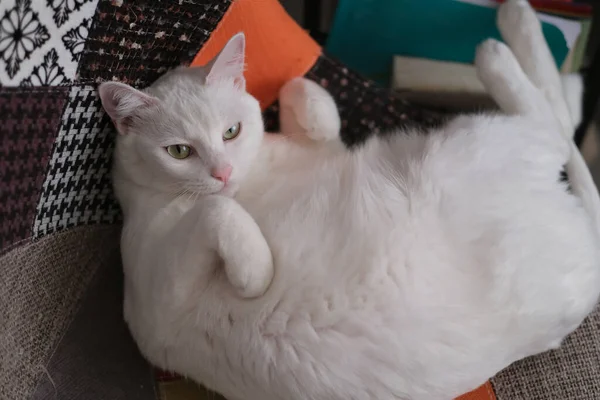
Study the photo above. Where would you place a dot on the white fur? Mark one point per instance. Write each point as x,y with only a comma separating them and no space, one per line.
415,267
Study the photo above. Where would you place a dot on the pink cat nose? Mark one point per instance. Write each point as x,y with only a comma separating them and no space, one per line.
222,174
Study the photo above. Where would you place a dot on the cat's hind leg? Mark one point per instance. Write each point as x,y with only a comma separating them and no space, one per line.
306,107
506,82
522,30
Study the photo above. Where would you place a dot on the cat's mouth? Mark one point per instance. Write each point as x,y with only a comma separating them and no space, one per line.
223,188
228,189
204,189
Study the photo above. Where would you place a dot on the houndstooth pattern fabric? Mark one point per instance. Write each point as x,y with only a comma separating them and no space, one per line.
28,120
77,189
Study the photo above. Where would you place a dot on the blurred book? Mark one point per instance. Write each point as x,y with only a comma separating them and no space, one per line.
448,85
454,86
366,36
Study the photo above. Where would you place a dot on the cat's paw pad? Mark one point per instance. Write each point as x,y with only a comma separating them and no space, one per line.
308,107
514,18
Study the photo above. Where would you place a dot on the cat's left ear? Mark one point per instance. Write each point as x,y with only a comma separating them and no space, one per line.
229,63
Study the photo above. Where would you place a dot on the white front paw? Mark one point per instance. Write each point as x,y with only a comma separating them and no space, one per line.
251,271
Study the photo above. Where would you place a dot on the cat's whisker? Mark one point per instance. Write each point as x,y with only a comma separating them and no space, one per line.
190,195
178,184
185,193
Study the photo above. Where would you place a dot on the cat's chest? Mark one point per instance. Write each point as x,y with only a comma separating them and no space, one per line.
314,213
303,200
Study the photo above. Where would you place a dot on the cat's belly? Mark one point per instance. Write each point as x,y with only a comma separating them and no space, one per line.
369,279
358,272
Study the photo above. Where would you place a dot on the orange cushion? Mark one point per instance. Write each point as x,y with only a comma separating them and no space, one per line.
277,48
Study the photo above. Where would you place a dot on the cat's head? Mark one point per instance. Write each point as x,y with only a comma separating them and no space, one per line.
195,130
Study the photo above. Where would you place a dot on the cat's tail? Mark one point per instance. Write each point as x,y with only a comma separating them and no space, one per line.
524,80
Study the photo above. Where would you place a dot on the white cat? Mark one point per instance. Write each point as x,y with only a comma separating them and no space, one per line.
413,267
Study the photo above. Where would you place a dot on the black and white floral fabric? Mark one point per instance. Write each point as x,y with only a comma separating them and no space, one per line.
41,41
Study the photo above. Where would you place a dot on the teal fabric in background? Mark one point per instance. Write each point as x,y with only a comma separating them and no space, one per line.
366,34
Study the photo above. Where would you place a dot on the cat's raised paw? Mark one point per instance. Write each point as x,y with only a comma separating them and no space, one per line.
308,108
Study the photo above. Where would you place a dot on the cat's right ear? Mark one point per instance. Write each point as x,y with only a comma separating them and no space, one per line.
122,102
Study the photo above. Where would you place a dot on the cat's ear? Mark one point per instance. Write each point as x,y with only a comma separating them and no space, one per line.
122,102
229,63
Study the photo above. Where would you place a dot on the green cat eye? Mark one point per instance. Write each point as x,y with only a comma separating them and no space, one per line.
232,132
179,151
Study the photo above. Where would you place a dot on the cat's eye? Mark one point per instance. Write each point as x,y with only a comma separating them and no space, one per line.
232,132
179,151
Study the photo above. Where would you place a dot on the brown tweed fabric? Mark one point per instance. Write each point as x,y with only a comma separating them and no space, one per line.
137,41
97,358
570,373
183,389
40,287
